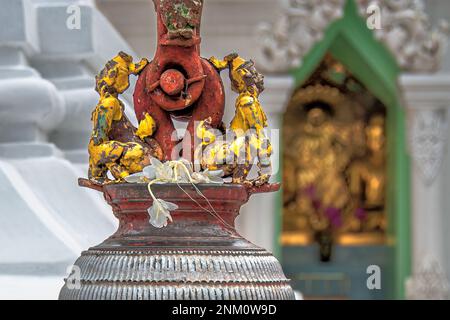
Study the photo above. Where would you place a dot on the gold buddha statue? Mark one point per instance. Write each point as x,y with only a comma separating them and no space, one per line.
321,159
367,180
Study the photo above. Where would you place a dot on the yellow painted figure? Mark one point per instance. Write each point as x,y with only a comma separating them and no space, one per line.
249,120
215,152
120,158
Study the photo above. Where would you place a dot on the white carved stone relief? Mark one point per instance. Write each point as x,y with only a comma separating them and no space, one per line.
407,32
428,139
405,29
429,283
285,43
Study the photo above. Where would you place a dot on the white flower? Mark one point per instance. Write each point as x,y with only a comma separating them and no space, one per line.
182,171
214,176
187,164
135,178
198,177
163,171
208,176
148,174
160,213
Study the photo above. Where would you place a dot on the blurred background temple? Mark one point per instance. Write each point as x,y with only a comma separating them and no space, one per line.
359,91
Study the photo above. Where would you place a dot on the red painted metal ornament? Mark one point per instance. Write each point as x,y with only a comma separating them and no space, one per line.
161,91
200,255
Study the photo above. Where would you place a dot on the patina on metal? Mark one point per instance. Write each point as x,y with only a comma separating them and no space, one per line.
198,257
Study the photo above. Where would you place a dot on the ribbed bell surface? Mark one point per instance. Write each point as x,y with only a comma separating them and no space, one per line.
198,256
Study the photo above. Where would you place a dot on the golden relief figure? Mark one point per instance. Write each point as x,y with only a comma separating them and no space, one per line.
334,173
368,178
320,182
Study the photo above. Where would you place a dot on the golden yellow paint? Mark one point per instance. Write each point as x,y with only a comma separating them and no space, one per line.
218,64
213,153
117,72
204,134
250,119
147,127
121,159
133,158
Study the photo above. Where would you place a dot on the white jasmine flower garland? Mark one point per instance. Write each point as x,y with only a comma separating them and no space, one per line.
179,171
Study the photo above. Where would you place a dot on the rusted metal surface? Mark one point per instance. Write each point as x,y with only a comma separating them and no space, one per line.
198,257
180,17
178,52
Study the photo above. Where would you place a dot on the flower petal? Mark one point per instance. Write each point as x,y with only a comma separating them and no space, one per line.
135,178
163,171
187,164
149,172
217,180
160,213
155,162
167,173
199,178
157,219
215,173
168,205
182,175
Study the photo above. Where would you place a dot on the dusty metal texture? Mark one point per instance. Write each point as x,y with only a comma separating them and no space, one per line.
198,256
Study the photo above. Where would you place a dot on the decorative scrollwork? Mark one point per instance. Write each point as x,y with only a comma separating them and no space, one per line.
428,138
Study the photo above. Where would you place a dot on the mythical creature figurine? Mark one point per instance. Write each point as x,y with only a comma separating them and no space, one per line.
179,84
215,152
249,120
116,145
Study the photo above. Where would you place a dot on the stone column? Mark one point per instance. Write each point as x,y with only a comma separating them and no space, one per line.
427,99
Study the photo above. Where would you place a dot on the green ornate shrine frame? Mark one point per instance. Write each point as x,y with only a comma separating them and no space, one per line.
354,45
